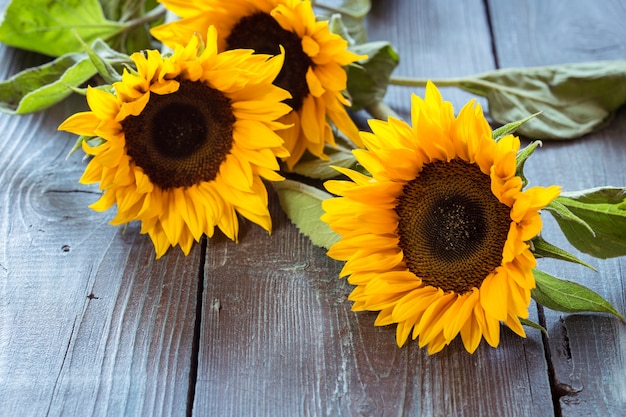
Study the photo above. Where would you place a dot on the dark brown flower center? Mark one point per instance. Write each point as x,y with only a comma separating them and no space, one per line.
261,32
452,228
182,138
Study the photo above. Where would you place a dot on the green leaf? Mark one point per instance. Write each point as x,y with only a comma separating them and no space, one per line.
604,211
303,205
45,26
78,144
336,26
368,80
317,168
37,88
530,323
562,214
520,160
112,9
102,57
355,8
510,128
351,14
574,99
569,297
547,250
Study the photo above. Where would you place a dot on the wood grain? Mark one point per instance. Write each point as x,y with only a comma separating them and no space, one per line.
91,324
435,40
587,350
547,32
278,337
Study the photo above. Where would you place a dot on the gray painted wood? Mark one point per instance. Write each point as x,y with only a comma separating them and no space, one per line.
588,352
285,342
91,324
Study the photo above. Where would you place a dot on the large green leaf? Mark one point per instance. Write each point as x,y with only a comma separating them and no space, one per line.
47,27
573,99
351,14
568,296
599,223
303,205
316,168
37,88
368,80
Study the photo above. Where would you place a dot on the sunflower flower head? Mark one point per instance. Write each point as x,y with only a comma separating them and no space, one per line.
186,141
436,237
314,59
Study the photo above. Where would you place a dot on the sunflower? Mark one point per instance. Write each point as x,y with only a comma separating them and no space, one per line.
314,58
186,141
436,238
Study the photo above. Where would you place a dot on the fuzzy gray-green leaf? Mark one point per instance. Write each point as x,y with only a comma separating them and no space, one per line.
574,99
302,203
369,78
321,169
352,14
37,88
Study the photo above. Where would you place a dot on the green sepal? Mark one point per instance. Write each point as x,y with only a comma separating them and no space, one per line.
510,128
569,297
78,145
92,141
545,249
102,56
521,158
302,204
530,323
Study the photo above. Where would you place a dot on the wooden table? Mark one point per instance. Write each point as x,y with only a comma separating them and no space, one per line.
93,325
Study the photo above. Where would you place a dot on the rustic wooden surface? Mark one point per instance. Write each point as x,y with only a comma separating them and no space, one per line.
91,324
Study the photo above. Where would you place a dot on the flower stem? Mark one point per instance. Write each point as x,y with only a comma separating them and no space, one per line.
332,9
419,82
380,110
152,15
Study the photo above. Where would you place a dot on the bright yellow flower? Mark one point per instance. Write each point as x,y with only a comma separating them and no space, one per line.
314,59
187,141
436,238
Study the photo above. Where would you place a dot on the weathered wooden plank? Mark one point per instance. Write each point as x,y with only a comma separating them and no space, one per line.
278,337
546,32
587,351
435,40
91,324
